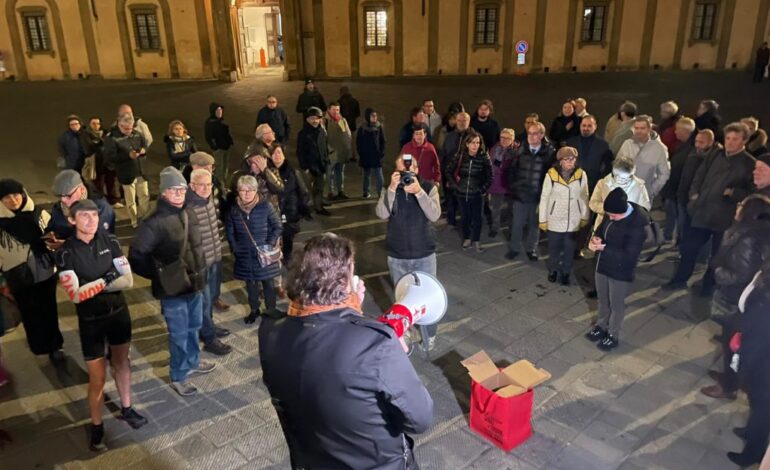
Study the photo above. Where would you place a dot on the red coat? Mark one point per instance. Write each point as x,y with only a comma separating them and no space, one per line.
427,160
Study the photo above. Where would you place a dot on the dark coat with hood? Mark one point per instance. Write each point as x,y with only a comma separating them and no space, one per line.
308,99
711,120
527,173
217,131
348,394
470,176
277,120
624,240
263,226
159,241
313,149
370,143
559,132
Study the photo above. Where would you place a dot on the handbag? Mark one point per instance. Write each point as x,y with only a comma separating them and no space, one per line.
89,168
41,267
266,254
173,277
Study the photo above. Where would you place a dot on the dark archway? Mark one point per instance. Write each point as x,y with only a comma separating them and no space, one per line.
18,47
125,38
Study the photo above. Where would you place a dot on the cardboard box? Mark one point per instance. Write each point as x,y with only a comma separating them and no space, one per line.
501,399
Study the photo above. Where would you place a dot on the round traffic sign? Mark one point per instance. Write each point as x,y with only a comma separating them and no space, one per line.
522,47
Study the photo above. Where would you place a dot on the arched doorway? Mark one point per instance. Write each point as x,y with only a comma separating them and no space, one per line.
259,37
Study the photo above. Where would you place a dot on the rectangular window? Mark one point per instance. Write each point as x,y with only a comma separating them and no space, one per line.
146,31
376,26
593,23
36,28
704,20
486,26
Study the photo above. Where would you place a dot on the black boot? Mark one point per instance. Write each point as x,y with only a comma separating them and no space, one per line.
552,276
564,279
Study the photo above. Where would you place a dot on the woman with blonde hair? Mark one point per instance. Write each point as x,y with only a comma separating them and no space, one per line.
179,144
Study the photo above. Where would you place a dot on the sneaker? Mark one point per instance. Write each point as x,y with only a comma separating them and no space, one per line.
184,388
203,368
608,343
57,357
221,306
217,348
221,332
366,196
552,276
322,212
674,285
532,255
431,343
479,248
130,416
96,439
342,196
511,255
466,244
597,333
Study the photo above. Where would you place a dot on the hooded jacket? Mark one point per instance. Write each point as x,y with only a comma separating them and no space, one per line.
217,131
14,252
624,132
370,143
564,204
634,188
71,149
651,160
313,149
277,120
348,394
179,150
308,99
624,240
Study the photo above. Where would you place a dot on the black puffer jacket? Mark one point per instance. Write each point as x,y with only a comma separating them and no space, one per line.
344,390
159,241
470,176
295,199
526,175
313,149
624,240
743,250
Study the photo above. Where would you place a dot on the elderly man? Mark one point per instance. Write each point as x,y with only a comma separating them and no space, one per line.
126,147
275,117
263,138
683,131
432,118
70,188
649,155
720,184
168,250
140,126
203,218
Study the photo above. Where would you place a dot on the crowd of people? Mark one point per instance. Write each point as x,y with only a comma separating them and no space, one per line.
590,194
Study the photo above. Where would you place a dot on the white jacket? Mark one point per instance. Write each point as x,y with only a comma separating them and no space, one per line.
651,161
635,191
12,251
564,204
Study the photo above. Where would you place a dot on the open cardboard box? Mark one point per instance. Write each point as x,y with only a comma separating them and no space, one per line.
509,382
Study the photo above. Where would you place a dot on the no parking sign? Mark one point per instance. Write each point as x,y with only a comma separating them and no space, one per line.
521,51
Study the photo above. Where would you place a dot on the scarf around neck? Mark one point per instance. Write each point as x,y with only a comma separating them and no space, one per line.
296,309
247,207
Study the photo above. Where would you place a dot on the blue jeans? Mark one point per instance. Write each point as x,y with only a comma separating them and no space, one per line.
212,286
377,172
336,177
183,320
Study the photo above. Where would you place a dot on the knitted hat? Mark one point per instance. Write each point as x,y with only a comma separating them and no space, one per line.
764,158
170,177
616,202
565,152
201,159
83,205
66,181
10,186
313,111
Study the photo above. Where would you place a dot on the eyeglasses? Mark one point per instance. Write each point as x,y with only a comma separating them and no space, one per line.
205,185
177,190
246,191
67,196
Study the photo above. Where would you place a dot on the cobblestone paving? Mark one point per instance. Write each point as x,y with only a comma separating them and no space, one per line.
635,408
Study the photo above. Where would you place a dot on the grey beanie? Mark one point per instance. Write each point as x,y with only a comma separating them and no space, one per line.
66,181
170,177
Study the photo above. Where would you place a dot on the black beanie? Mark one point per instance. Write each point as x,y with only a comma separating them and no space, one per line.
10,186
616,202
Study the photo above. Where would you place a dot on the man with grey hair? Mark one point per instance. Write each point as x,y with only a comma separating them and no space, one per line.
621,126
669,115
649,154
263,138
683,130
140,126
203,218
126,148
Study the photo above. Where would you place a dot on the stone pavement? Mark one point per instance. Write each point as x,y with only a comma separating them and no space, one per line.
636,408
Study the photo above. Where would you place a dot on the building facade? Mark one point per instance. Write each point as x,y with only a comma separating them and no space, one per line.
197,39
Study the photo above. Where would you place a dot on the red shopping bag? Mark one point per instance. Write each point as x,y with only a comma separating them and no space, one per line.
504,421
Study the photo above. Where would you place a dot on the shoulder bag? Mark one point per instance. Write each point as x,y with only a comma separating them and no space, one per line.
266,254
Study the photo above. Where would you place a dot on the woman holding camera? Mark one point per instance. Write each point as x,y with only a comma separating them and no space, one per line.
253,225
471,177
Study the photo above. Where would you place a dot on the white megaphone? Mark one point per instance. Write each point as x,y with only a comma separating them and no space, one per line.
420,299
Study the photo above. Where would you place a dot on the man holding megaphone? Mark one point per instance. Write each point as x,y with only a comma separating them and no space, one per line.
411,205
345,393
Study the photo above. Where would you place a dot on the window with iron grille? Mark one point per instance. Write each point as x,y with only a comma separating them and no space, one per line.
704,21
593,23
485,33
146,30
376,26
36,27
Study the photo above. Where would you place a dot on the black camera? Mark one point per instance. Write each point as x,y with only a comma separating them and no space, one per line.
407,176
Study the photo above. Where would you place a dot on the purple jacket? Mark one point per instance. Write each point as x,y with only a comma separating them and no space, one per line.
501,159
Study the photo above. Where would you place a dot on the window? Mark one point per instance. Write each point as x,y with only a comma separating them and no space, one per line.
376,26
593,23
36,27
703,22
146,30
486,26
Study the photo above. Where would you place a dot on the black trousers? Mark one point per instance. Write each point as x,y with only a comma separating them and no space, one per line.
759,72
472,207
253,289
561,251
39,313
758,426
290,230
452,205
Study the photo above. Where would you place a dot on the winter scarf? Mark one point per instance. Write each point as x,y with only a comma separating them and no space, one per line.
296,309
